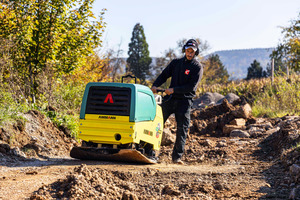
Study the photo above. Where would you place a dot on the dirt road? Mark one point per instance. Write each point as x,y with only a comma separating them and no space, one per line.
242,174
202,181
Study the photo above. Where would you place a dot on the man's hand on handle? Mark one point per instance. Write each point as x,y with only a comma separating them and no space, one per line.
154,89
167,91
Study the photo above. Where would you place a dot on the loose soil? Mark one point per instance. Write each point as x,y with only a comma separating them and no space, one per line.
35,163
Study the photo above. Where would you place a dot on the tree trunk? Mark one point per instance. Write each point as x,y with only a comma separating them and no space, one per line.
31,84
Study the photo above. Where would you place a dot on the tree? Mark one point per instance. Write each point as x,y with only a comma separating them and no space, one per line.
255,71
139,60
280,66
95,69
52,34
161,63
116,62
215,71
288,51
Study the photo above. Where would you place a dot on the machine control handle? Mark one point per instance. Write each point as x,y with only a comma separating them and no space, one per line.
130,76
160,90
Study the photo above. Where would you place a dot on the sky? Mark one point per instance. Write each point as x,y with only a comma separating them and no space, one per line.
224,24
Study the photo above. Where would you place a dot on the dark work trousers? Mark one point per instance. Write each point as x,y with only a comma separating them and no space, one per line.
181,108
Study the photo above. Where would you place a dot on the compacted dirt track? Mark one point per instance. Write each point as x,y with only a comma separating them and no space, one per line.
241,174
96,180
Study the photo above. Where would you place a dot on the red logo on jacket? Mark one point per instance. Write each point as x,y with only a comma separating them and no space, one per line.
187,72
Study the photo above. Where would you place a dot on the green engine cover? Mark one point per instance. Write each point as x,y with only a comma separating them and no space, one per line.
124,99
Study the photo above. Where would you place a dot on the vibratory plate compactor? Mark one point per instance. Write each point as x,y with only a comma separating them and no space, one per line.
119,122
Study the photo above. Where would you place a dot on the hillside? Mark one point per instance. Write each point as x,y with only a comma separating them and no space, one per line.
238,61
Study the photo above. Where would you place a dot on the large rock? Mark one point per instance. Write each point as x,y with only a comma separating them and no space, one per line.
239,133
264,125
207,99
272,131
167,137
228,128
231,97
238,122
218,97
255,131
244,111
213,99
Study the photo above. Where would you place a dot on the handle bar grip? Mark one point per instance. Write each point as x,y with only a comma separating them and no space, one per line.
160,90
130,77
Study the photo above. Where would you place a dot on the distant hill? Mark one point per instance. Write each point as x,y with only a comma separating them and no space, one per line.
238,61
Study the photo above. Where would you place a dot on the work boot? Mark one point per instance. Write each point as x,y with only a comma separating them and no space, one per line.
178,161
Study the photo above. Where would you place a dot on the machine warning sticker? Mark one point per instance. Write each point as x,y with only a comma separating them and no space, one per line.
158,127
147,132
158,131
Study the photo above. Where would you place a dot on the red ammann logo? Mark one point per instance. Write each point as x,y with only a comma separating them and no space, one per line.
109,98
107,117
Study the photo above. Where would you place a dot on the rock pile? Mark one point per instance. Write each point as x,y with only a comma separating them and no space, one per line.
225,119
284,144
221,119
87,183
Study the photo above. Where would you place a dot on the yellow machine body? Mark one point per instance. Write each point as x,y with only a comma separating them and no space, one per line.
118,130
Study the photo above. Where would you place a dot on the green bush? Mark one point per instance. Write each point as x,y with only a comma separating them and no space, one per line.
68,97
10,108
279,99
68,121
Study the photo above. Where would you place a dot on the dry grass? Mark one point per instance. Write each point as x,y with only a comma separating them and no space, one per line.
266,98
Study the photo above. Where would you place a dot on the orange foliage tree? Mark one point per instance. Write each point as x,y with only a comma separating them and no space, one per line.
95,69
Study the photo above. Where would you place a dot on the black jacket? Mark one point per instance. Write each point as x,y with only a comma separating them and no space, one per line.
186,74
